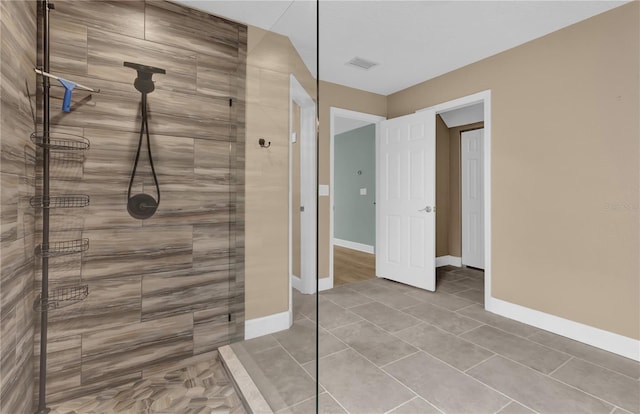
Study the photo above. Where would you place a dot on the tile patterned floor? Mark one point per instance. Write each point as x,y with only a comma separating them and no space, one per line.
389,348
200,388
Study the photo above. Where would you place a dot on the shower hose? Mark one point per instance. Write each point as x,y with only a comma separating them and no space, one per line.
143,206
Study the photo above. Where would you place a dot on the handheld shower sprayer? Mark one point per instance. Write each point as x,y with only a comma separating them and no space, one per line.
142,206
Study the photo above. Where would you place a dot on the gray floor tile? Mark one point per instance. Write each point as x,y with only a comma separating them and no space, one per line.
471,273
448,286
326,405
445,346
472,295
333,316
478,313
300,341
472,283
515,408
279,378
345,297
359,386
373,343
615,388
442,318
596,356
540,392
257,344
447,388
385,317
303,304
441,299
529,353
620,411
394,299
416,406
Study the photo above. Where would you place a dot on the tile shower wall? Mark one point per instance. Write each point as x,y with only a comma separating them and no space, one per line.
170,287
18,57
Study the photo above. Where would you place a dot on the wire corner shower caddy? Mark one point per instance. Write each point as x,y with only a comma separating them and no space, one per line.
67,293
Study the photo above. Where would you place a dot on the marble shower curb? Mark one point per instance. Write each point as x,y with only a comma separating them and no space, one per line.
247,390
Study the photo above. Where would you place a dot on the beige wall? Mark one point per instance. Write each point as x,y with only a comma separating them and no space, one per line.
332,95
270,60
565,177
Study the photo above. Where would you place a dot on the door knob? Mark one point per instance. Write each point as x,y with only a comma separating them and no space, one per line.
428,209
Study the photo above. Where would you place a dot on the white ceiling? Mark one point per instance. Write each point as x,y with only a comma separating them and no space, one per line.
412,41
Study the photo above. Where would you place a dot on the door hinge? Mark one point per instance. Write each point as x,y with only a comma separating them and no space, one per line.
229,317
230,101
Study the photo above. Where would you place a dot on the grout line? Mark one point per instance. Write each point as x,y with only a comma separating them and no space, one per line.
479,363
403,357
560,366
504,406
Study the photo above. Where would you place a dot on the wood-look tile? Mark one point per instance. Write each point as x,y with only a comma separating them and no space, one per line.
69,41
190,204
175,293
128,348
63,362
9,199
216,76
190,29
211,246
211,329
123,252
112,302
119,17
16,275
107,51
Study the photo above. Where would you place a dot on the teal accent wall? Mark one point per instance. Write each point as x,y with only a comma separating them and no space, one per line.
354,215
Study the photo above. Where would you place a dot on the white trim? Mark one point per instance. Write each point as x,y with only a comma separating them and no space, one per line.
609,341
364,248
266,325
327,283
307,142
448,261
484,97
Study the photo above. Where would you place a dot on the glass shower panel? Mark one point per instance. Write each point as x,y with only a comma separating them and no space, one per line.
278,345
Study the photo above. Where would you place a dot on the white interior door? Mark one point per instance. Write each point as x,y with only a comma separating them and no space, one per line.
405,214
472,198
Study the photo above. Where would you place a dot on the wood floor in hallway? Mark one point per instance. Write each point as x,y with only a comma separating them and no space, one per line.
351,266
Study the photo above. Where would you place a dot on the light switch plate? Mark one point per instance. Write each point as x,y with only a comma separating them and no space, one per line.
323,190
363,191
294,137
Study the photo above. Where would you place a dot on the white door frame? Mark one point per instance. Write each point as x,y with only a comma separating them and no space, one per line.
485,98
306,283
334,112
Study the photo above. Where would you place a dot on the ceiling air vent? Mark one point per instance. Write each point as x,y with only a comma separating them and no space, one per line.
361,63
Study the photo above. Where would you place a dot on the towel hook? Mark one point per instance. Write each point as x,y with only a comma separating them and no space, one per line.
262,141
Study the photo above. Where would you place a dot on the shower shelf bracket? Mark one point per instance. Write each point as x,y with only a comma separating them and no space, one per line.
63,248
59,141
63,201
61,297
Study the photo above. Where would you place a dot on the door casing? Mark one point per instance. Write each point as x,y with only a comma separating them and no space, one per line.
308,195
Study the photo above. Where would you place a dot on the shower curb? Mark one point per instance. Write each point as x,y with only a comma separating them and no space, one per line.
249,393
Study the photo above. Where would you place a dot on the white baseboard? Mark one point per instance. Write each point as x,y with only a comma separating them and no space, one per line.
365,248
609,341
296,283
325,283
448,261
266,325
